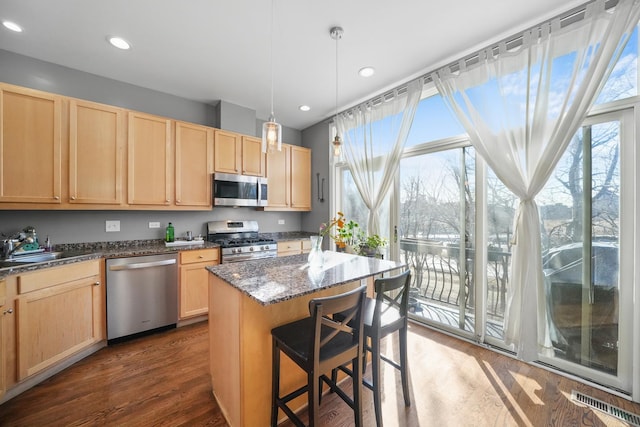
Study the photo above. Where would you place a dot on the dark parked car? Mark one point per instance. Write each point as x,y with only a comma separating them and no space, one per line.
567,298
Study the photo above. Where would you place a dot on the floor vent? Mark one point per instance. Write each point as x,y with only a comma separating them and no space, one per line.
621,414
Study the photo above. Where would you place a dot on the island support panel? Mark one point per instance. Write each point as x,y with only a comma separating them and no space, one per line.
240,351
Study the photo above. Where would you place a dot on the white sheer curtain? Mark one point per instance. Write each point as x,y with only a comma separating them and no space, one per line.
374,135
521,107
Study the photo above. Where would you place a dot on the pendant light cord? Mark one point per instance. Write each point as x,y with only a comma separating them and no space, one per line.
271,55
337,38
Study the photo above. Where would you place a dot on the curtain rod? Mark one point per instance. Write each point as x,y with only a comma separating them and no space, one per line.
567,18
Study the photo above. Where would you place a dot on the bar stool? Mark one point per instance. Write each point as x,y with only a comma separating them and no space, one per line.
383,315
318,344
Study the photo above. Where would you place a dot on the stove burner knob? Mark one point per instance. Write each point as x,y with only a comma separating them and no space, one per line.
251,249
265,248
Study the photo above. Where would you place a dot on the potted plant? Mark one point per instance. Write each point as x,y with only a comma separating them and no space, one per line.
345,236
370,245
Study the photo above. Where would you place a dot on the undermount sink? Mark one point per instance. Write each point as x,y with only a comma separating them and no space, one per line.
41,257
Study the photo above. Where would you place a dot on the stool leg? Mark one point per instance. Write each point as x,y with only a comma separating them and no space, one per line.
275,382
375,375
313,381
357,390
404,365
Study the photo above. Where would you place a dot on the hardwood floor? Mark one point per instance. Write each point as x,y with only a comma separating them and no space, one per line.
162,380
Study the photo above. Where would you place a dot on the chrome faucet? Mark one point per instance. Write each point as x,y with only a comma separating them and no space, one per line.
8,248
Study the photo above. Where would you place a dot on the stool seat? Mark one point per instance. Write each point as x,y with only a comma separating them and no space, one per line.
293,338
319,344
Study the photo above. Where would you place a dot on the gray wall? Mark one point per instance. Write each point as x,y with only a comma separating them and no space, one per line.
28,72
236,118
89,226
317,138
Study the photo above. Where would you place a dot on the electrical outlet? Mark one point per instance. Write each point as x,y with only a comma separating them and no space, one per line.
281,222
112,226
154,225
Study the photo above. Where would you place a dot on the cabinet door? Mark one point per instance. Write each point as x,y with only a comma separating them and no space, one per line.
300,178
279,177
30,143
194,289
194,157
227,155
194,281
253,159
96,144
150,161
3,350
56,322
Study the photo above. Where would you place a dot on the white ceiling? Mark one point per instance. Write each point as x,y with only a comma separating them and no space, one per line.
208,50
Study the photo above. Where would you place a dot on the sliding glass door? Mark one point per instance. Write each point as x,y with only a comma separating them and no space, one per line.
589,292
436,236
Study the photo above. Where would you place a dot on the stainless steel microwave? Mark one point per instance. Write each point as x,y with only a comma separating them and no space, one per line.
239,190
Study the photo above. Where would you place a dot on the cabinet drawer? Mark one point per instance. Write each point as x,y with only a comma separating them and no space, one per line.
290,247
56,275
200,255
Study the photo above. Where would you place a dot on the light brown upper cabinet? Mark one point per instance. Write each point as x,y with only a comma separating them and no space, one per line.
30,143
253,159
279,179
150,160
194,158
300,178
238,154
289,175
96,150
227,156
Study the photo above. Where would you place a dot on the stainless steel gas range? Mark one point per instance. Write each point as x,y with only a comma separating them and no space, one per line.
240,241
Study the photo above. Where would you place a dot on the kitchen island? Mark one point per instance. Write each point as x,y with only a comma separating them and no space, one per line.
246,301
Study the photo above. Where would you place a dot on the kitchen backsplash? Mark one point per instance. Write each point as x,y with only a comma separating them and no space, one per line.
90,226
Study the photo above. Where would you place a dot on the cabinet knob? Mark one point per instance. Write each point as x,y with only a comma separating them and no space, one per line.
96,283
56,197
73,197
9,311
200,256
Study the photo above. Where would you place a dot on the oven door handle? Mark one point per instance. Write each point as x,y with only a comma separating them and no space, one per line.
138,265
244,258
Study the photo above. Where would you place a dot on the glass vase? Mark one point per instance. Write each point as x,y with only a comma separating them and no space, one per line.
316,258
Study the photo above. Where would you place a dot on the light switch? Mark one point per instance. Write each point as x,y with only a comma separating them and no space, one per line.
154,225
281,222
112,226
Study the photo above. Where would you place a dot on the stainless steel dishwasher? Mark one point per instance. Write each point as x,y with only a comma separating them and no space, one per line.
142,294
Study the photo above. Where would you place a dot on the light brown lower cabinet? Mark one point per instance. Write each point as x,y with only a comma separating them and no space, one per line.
3,350
59,311
294,247
194,281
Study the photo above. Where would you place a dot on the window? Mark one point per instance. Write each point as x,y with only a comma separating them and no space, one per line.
454,230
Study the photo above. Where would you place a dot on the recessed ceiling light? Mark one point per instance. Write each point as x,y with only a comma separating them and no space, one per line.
120,43
304,108
367,71
12,26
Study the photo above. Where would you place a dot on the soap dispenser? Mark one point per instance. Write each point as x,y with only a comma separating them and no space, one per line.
170,233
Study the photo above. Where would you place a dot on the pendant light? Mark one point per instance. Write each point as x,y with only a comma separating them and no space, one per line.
336,34
271,130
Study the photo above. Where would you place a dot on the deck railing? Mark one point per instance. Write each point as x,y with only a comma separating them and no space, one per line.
436,274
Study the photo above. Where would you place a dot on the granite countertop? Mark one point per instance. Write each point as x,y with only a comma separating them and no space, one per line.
77,252
272,280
